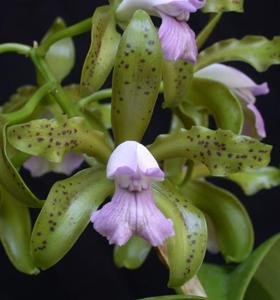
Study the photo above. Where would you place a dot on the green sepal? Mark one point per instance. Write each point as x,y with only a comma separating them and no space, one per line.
136,78
219,101
177,78
10,178
223,5
102,52
61,55
256,278
15,232
186,249
253,181
51,138
133,254
66,213
231,222
220,150
255,50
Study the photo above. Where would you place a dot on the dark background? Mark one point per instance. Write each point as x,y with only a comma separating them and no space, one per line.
87,271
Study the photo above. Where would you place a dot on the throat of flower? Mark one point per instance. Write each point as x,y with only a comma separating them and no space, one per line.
135,183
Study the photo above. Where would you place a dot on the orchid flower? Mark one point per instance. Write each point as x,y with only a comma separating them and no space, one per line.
245,89
132,210
177,38
39,166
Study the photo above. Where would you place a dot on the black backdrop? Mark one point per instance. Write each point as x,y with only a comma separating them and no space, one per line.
87,271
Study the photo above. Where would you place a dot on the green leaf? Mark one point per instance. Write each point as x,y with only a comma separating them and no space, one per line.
257,51
255,180
61,55
219,101
231,222
51,138
66,214
186,249
136,78
256,278
10,178
221,151
102,52
133,254
177,78
223,5
15,232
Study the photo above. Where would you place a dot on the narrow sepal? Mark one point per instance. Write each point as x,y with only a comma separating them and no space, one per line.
136,78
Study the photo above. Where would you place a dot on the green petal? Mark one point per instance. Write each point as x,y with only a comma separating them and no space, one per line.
256,278
51,138
15,232
186,249
223,5
136,78
221,151
256,180
66,213
221,103
177,78
257,51
61,55
231,221
133,254
102,52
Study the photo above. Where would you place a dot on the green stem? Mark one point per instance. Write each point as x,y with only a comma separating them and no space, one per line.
208,29
59,94
100,95
15,47
73,30
23,113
